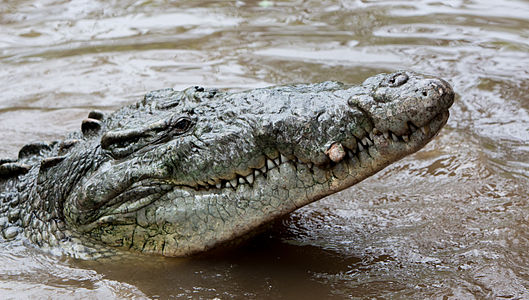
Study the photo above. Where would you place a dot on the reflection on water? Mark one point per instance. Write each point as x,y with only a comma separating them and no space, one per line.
450,221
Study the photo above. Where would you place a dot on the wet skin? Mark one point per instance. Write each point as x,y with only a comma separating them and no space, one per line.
182,172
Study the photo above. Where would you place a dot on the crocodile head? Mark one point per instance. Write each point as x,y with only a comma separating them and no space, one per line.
182,172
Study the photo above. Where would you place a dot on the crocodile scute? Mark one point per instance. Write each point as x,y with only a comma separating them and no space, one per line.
182,172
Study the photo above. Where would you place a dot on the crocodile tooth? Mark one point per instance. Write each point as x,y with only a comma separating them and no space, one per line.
394,137
263,169
277,161
386,135
360,147
406,138
241,180
218,185
250,178
441,92
233,182
412,127
425,129
368,141
310,165
283,158
270,164
371,136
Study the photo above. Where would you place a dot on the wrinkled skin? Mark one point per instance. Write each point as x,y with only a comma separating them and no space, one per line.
181,172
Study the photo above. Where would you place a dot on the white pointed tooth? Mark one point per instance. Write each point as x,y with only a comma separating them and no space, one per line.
234,182
277,161
270,164
360,147
241,180
310,165
425,129
441,92
371,136
368,141
256,172
283,158
394,137
263,169
250,178
218,185
406,138
386,134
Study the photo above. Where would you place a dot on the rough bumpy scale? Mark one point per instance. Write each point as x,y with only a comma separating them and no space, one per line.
181,172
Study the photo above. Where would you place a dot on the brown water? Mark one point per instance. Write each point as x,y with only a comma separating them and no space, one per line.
451,221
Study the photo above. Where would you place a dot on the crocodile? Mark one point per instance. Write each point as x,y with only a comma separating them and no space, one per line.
183,172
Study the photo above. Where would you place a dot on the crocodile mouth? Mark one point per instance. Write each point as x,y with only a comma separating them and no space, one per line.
370,150
366,149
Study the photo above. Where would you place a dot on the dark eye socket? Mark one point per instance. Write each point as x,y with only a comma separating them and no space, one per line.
182,125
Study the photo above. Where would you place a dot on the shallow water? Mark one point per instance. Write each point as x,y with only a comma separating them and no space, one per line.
451,221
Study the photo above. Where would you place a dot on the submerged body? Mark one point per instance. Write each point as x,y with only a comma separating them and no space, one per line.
181,172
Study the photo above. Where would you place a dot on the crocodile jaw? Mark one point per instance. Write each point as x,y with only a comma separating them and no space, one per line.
193,220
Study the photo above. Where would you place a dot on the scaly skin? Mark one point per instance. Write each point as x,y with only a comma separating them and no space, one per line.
181,172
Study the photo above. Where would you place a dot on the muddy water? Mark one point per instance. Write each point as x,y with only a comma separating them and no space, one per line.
451,221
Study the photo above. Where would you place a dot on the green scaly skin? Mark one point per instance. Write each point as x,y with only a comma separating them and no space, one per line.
182,172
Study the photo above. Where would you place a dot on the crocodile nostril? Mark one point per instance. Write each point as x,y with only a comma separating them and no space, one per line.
397,79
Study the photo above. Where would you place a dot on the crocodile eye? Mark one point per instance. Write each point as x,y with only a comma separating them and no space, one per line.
182,125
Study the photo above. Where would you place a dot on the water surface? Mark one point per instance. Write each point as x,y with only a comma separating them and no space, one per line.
451,221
